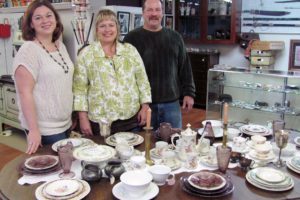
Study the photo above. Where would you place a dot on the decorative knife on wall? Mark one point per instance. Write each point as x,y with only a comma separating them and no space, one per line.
266,12
289,1
270,19
270,25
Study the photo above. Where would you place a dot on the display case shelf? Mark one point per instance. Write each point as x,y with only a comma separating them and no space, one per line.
57,6
254,96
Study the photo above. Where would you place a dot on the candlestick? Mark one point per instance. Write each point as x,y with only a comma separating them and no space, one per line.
225,113
149,161
148,118
224,141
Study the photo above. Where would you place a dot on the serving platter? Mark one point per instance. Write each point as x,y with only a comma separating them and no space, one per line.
138,140
94,153
255,130
270,175
41,162
77,142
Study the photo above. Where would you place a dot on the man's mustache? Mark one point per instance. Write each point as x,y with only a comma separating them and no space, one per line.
154,18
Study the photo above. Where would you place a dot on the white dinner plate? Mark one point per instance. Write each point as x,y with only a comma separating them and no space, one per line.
120,192
41,162
297,141
62,187
270,175
85,191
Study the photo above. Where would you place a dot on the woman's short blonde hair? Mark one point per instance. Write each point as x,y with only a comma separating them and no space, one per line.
106,14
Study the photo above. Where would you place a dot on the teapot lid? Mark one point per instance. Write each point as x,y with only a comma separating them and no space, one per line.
188,130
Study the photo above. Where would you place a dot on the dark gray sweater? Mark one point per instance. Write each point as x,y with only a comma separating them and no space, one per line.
166,61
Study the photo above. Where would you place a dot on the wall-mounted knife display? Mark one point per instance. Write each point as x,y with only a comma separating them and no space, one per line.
276,16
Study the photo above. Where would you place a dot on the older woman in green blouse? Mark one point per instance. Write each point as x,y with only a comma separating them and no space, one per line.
110,82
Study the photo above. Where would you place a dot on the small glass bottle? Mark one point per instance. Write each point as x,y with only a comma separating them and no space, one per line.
209,133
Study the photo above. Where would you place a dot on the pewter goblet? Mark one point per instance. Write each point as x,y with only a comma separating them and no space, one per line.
281,139
65,154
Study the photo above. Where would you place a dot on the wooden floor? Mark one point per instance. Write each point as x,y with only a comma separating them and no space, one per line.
194,117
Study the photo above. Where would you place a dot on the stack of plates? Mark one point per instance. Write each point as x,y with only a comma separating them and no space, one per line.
77,142
262,157
270,179
294,164
206,184
253,129
63,189
131,138
40,165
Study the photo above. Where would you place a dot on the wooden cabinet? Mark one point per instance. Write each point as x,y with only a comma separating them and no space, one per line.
8,104
201,62
208,21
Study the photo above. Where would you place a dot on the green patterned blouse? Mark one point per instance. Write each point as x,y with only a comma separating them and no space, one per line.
110,88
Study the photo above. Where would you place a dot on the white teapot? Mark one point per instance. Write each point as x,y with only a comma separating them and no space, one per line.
186,142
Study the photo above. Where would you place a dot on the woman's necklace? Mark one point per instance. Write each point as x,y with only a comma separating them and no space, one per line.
64,65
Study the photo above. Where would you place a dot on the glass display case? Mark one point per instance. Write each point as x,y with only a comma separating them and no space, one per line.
208,21
254,96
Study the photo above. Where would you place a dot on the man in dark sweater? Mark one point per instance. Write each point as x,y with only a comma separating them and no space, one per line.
167,66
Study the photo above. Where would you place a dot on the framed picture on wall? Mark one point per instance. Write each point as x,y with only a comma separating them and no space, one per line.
169,7
124,20
294,61
138,20
169,22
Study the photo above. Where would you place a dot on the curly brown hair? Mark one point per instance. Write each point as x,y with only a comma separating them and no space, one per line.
28,33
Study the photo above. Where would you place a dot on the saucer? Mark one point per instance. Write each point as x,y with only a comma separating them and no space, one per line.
243,149
120,193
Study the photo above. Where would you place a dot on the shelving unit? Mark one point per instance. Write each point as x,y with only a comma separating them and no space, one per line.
255,96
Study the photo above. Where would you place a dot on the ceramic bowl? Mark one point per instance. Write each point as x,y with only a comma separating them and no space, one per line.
136,182
263,149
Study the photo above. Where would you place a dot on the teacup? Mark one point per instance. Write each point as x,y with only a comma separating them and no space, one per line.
124,151
258,139
162,174
239,142
138,162
203,146
262,150
191,160
160,146
136,183
168,157
232,133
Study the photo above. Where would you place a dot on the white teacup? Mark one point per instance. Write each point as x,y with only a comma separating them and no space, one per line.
258,139
262,150
138,162
239,142
160,146
203,146
136,183
161,174
124,151
191,160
